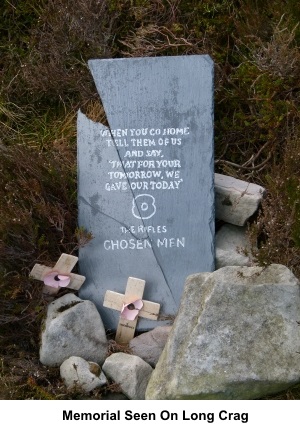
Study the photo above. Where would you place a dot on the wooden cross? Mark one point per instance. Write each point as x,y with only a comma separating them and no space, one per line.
63,267
134,292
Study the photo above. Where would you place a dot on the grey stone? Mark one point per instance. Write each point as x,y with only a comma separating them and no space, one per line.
130,372
78,373
150,345
236,200
233,247
145,187
236,337
73,327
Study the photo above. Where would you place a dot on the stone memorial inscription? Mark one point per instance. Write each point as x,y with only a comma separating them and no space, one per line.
146,182
144,171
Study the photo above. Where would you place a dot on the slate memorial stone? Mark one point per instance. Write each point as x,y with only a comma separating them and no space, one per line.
145,184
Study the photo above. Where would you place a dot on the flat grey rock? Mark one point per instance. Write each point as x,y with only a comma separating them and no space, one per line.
236,200
73,327
145,185
236,337
150,345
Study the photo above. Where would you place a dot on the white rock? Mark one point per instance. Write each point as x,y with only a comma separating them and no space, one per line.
232,247
130,372
236,201
78,373
73,327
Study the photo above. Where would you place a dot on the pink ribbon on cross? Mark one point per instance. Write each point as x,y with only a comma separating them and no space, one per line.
131,310
56,280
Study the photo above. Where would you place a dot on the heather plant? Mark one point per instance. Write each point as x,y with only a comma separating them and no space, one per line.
277,227
45,46
260,105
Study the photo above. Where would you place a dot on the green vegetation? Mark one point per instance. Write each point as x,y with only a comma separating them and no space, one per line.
45,45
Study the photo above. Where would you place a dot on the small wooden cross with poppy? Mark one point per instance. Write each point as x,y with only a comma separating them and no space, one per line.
58,276
131,307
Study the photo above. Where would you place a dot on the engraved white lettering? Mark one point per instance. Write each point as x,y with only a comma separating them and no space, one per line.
123,244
